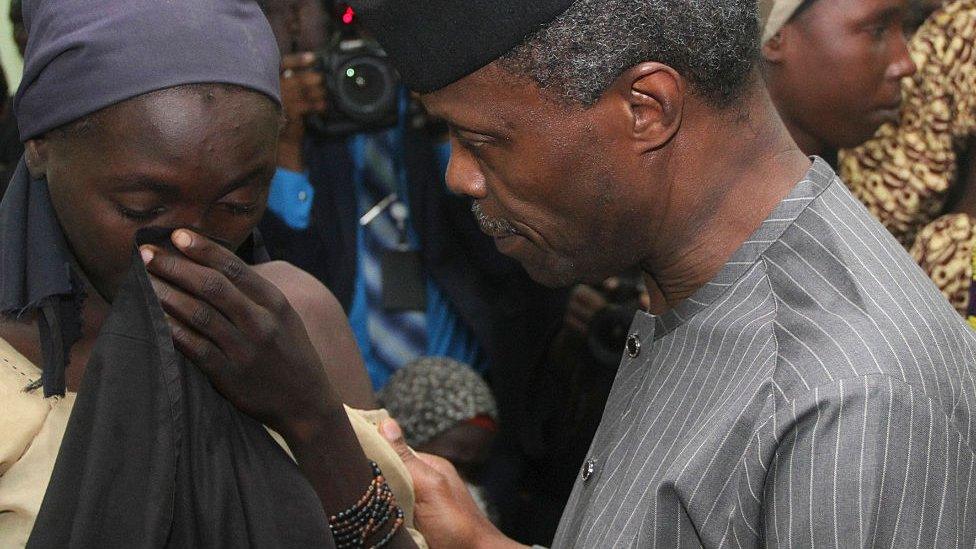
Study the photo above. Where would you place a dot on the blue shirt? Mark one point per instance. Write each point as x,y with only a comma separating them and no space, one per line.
291,199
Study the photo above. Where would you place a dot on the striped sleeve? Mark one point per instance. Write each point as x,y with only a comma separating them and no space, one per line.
869,462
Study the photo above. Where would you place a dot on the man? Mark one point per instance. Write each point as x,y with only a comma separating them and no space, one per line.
834,69
799,381
476,305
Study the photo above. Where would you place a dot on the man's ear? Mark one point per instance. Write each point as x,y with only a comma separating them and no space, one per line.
773,50
36,156
654,96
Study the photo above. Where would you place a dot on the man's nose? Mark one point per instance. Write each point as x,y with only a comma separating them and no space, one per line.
902,65
464,175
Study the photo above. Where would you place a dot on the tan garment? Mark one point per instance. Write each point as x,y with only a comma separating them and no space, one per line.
31,429
774,14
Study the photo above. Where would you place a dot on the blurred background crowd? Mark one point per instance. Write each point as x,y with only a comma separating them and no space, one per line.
499,374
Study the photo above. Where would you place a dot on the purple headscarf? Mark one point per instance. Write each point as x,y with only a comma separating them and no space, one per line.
85,55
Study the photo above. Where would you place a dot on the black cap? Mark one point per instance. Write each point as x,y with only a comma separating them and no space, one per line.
434,43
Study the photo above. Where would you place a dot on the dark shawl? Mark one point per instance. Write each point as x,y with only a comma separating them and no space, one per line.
153,456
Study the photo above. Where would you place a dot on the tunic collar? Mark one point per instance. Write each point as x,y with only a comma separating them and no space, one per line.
816,181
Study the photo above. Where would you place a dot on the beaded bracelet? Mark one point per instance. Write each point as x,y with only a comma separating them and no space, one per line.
353,527
369,520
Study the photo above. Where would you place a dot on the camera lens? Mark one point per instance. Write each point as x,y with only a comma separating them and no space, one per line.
363,83
362,86
366,87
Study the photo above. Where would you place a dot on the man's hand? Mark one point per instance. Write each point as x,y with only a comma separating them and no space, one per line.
584,302
444,512
302,93
240,330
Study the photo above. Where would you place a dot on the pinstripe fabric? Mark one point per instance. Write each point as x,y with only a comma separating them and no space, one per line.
817,393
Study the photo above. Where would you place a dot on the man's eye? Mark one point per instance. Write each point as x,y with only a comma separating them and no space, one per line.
468,141
877,31
140,215
472,144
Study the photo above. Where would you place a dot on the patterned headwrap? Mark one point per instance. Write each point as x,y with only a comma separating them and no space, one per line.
431,395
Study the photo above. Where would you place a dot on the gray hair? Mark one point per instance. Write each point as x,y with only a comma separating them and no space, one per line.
712,43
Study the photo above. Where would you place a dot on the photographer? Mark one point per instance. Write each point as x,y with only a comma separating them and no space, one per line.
303,93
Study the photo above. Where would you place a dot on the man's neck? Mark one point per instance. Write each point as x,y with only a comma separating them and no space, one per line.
742,171
810,144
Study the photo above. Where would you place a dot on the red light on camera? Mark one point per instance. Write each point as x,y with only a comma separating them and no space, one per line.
348,16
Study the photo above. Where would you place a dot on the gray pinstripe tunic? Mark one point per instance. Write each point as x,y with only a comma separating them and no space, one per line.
817,393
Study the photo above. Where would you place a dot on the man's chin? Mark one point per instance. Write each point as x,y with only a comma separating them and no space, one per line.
550,279
546,269
562,275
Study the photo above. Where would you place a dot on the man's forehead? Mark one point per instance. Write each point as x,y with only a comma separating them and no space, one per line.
490,97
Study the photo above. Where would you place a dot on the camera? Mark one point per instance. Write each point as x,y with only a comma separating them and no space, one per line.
361,83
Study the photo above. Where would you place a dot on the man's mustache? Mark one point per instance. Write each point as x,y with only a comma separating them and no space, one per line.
494,226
